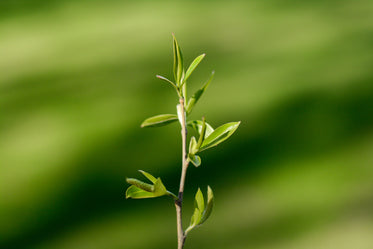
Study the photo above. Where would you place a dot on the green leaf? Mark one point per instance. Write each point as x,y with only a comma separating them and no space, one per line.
168,81
193,146
139,189
159,188
199,206
178,62
197,126
137,193
196,160
199,201
202,133
196,217
210,203
219,135
194,99
149,176
193,66
159,120
199,210
142,185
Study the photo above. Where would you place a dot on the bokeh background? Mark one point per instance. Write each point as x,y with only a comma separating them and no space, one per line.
77,79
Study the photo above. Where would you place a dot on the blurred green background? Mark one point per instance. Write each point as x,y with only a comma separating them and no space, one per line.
77,79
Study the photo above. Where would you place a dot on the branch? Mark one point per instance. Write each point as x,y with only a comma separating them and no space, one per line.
179,202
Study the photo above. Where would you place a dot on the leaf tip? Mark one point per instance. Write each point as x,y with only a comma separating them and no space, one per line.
199,191
127,195
209,188
174,36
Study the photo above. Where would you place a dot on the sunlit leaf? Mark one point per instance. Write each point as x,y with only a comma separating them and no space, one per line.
159,188
194,99
159,120
137,193
197,126
167,80
193,66
194,220
202,133
193,146
149,176
199,201
139,189
209,206
199,206
219,135
196,160
140,184
178,62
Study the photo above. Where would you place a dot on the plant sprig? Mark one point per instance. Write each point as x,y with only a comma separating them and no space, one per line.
207,138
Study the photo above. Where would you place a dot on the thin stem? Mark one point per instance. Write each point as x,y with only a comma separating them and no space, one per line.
179,202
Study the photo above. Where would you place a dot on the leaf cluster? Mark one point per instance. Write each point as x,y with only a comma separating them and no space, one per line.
201,211
141,190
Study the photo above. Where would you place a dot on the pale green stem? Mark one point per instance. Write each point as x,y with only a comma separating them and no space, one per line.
179,202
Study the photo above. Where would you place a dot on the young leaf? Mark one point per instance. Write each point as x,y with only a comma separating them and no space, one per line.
193,66
142,185
199,206
139,189
202,133
159,120
194,220
193,146
199,201
178,62
194,99
196,160
149,176
159,188
210,203
168,81
221,134
137,193
197,126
